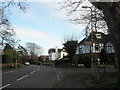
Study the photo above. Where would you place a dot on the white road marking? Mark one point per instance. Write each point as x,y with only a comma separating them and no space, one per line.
61,73
32,72
5,86
58,77
35,71
8,72
21,78
39,68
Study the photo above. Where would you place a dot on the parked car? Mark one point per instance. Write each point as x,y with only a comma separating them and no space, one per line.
27,63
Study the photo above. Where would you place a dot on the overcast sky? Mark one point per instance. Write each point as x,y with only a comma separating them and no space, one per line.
44,25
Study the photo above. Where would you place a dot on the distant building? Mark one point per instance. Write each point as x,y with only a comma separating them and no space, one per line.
56,53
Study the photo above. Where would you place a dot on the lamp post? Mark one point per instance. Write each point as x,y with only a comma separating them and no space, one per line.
91,49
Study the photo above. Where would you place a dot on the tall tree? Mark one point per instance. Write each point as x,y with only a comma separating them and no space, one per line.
6,31
10,54
23,53
7,35
111,12
70,45
33,49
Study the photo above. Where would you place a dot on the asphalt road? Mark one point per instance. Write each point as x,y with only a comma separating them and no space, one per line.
38,76
32,76
35,76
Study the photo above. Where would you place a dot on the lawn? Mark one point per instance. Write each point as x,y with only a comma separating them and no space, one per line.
106,80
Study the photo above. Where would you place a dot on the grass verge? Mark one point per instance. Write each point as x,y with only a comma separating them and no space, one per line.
106,80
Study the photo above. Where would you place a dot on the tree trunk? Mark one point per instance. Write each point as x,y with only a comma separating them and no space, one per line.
111,13
113,24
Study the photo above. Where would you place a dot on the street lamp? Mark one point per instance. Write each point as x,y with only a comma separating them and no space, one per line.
92,66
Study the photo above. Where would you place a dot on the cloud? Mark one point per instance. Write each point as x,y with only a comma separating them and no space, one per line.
30,33
41,38
55,11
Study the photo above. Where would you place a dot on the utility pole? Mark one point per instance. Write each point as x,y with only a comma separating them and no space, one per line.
93,29
16,63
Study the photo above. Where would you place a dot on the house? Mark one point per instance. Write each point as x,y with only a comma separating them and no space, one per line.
56,53
92,45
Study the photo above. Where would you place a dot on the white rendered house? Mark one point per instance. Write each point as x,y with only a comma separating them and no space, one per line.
56,54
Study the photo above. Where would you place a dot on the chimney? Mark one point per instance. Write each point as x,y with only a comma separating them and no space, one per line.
56,49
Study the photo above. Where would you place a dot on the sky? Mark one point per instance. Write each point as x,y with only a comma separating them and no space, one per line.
44,24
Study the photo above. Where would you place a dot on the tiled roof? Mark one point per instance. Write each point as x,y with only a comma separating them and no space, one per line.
104,38
51,50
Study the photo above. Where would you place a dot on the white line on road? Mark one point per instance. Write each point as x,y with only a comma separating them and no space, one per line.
21,78
58,77
32,72
5,86
61,73
35,71
8,72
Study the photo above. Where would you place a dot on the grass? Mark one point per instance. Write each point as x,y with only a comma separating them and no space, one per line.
107,80
49,62
70,78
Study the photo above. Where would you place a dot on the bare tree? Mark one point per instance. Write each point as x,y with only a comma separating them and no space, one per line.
111,11
79,15
6,31
7,35
111,16
33,49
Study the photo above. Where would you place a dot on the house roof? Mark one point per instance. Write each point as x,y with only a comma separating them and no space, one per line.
104,38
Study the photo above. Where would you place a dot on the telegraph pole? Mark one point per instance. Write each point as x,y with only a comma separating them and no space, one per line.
93,29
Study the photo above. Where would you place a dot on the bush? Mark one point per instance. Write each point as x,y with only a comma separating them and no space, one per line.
10,66
63,62
86,61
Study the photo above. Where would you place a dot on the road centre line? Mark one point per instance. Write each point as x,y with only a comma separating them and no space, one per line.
35,71
5,86
21,78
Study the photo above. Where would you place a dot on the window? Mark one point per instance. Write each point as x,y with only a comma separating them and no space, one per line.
96,46
98,36
109,48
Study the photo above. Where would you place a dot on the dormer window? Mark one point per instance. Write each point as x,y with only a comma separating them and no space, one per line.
98,36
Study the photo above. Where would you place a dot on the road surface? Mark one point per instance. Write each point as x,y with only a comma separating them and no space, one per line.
32,76
38,76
